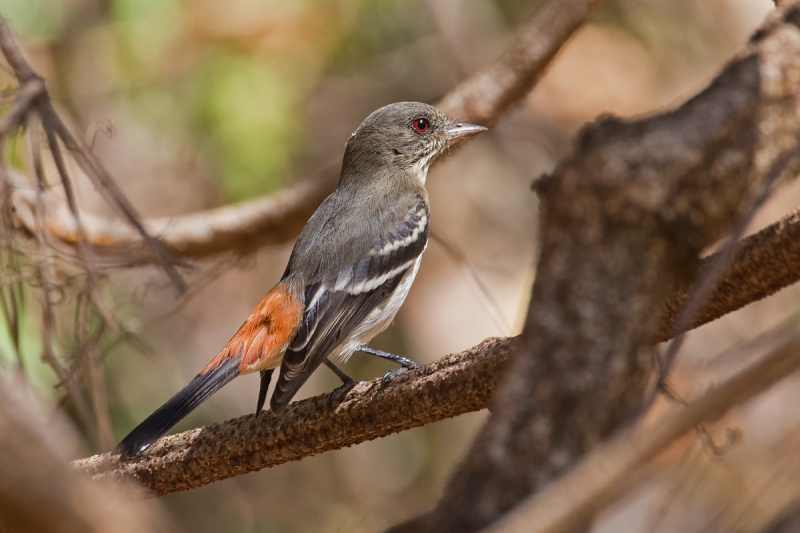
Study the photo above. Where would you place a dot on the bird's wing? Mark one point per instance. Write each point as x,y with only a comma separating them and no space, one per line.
336,306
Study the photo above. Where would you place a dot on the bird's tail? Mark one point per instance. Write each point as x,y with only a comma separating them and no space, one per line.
192,395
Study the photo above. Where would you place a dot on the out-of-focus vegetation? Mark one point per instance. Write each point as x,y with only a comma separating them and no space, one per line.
196,103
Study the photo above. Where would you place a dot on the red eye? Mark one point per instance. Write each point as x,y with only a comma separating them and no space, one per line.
421,124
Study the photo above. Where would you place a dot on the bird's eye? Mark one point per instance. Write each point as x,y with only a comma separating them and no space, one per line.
421,125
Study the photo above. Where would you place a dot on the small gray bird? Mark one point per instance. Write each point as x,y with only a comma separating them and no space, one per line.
349,272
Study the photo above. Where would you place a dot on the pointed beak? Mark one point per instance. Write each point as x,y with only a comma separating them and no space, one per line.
464,130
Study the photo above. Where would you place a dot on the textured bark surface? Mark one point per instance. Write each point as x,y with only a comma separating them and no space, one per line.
763,264
614,467
454,385
623,219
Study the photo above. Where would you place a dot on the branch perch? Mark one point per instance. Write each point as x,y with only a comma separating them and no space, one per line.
622,220
452,386
238,446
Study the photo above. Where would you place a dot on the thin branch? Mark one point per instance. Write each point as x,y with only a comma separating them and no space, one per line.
39,100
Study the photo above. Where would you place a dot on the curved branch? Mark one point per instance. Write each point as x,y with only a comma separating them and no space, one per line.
277,219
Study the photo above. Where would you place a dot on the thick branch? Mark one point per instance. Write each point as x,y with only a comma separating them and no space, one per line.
606,472
623,219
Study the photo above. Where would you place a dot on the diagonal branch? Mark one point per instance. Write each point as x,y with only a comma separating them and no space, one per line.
454,385
277,219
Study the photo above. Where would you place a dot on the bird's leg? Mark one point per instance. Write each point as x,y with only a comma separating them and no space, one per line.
347,382
404,362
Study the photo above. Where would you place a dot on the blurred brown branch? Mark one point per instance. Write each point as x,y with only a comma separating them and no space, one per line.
277,219
623,219
33,98
38,489
607,472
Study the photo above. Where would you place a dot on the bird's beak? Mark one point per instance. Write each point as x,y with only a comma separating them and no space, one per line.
464,130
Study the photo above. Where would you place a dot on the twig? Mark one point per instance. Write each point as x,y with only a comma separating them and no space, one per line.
54,127
48,316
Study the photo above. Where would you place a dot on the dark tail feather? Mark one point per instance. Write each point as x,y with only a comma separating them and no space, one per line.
196,392
266,376
289,382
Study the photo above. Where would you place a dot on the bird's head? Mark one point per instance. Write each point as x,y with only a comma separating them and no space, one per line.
407,136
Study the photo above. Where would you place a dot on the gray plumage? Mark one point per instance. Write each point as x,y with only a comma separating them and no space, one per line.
349,272
357,255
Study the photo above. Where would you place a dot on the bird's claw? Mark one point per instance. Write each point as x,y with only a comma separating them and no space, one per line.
341,390
396,372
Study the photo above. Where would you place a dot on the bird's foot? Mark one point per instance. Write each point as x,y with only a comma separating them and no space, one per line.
396,372
341,391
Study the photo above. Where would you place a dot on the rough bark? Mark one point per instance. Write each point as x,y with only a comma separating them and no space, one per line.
454,385
613,467
623,219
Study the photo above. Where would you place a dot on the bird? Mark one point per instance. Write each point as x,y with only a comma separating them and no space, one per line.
348,274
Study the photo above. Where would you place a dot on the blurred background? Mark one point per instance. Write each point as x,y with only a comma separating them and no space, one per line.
193,104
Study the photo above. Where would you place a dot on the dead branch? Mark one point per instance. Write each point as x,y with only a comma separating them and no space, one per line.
33,94
623,218
454,385
606,472
278,219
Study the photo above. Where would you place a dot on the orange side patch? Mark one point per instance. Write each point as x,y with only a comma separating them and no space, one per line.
262,339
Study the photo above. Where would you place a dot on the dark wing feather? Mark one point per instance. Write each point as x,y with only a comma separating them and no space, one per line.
330,330
336,306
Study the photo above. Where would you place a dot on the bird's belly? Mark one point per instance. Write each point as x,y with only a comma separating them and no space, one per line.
380,317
